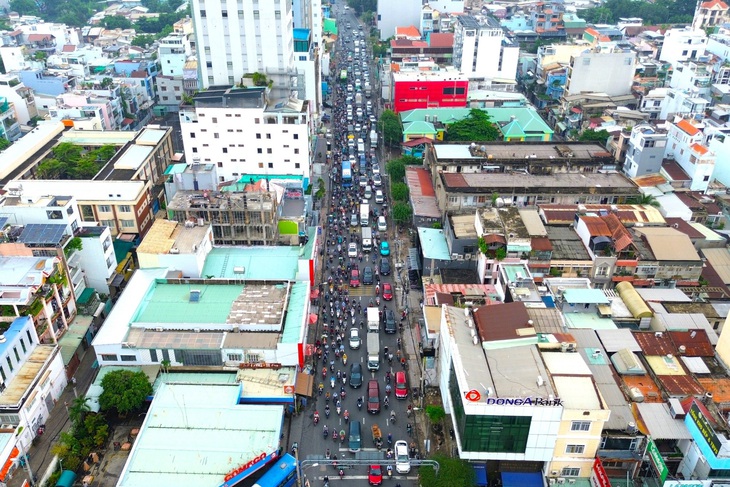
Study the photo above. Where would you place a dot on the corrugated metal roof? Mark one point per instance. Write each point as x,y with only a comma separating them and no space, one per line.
615,340
696,366
660,424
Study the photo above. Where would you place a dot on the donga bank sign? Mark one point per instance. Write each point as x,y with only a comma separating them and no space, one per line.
526,401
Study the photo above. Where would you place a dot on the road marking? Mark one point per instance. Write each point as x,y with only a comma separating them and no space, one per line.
361,449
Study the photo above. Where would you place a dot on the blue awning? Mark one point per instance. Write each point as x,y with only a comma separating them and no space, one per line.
518,479
480,474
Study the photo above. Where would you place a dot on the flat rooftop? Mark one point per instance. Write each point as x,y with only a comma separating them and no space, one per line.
529,183
211,433
249,200
20,275
257,263
165,235
433,243
567,245
85,191
523,152
18,387
463,226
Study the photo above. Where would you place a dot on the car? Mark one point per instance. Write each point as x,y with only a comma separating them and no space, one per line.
387,291
384,248
384,267
375,475
367,276
355,375
377,180
390,326
373,119
401,385
376,168
368,192
355,341
355,278
373,396
354,220
352,250
354,442
363,180
402,460
382,224
352,159
379,197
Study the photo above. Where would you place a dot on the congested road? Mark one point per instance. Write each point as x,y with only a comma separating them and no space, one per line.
357,278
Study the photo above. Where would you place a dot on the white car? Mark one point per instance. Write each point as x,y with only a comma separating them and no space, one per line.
355,339
376,168
352,250
382,225
377,180
402,461
379,198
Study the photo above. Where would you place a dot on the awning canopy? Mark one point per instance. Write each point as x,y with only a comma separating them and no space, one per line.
304,384
480,474
520,479
312,318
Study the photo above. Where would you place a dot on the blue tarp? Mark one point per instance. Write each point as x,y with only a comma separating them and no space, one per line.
519,479
480,474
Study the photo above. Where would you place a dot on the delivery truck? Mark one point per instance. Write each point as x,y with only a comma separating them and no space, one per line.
373,351
367,239
373,319
364,215
373,139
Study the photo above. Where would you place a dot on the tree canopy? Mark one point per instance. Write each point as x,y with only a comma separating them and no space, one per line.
476,126
69,161
399,191
124,391
652,13
591,135
402,212
391,128
117,22
453,472
4,144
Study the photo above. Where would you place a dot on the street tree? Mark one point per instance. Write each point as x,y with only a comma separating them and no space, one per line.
402,212
453,472
124,391
391,128
396,169
399,191
477,126
591,135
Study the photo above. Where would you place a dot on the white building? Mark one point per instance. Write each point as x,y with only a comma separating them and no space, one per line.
61,34
481,50
307,14
238,37
243,134
20,96
392,14
33,378
682,44
96,260
645,152
692,77
683,104
447,6
172,53
685,144
611,73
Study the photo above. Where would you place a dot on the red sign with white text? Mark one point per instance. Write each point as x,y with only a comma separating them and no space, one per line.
599,478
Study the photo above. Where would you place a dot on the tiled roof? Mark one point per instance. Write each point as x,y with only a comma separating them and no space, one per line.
596,226
687,127
621,236
441,39
409,31
699,148
715,3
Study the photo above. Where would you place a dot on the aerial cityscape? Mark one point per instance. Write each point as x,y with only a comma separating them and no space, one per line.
448,243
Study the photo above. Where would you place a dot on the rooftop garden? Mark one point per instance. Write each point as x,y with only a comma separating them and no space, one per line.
71,161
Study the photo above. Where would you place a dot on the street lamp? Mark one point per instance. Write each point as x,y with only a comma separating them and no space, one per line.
302,474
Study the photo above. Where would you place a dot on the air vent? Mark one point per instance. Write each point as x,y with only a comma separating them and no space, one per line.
194,295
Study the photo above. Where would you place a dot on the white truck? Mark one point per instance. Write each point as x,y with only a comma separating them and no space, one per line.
367,239
368,90
373,343
364,215
361,147
358,99
373,319
373,139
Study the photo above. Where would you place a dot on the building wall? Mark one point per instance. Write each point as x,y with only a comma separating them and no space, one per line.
408,95
645,153
98,260
610,73
483,55
682,44
397,14
253,37
170,91
248,145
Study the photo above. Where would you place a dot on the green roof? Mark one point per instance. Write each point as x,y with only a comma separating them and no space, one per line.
585,296
170,303
278,263
175,169
121,249
295,313
513,129
86,295
528,120
418,128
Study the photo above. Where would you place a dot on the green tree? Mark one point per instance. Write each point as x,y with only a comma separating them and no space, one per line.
4,144
645,199
24,7
474,127
396,169
435,413
453,472
124,391
143,40
116,22
78,409
52,169
591,135
399,191
411,160
391,128
402,212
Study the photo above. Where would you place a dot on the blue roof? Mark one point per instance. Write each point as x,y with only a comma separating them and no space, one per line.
15,329
301,34
279,263
433,243
585,296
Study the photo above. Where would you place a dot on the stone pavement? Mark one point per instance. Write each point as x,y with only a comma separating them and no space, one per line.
58,422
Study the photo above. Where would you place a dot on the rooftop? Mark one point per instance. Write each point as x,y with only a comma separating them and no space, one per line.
21,276
248,200
256,263
660,424
720,261
585,296
165,235
212,434
530,152
501,321
567,245
85,191
433,243
421,192
528,183
668,244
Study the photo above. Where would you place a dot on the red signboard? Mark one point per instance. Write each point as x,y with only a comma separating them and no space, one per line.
599,478
244,467
260,365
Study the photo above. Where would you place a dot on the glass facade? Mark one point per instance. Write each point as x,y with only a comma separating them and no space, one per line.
500,434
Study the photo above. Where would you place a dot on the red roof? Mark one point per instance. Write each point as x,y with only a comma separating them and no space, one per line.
441,39
69,48
541,243
596,226
701,149
409,31
621,236
653,344
675,171
687,127
418,141
684,227
128,121
39,37
424,178
695,343
715,3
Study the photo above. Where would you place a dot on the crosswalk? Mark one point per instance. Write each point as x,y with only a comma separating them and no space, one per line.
362,291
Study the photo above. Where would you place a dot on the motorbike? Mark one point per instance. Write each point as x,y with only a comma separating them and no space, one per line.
325,432
390,471
334,435
359,403
342,436
339,410
344,360
327,411
392,417
316,418
332,382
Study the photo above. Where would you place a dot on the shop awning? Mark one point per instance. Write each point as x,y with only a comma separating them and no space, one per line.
304,384
312,318
520,479
8,464
480,474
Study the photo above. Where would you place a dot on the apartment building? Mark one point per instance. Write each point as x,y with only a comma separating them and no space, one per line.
394,14
611,73
482,51
682,44
245,134
686,145
645,151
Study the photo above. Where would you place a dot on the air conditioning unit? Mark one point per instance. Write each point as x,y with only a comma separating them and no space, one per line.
467,256
551,481
561,480
554,473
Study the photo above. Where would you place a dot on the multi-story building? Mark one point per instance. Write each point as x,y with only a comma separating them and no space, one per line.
432,89
47,83
710,14
692,77
172,54
80,105
482,51
275,143
393,14
20,96
33,379
611,73
682,44
308,68
686,145
236,38
645,151
9,125
308,15
682,104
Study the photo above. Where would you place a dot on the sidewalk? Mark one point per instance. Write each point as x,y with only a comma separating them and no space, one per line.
40,452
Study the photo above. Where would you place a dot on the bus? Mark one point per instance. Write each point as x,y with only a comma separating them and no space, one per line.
343,76
346,174
282,474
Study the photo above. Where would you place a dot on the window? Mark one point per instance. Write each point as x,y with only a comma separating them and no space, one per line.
253,358
297,165
17,355
195,150
10,363
240,14
125,208
225,150
260,150
105,209
235,357
128,358
216,135
570,472
258,136
580,426
153,355
296,151
108,357
261,165
256,15
575,449
220,164
54,214
30,337
109,223
269,151
277,14
271,165
296,136
268,136
224,14
209,64
202,13
2,373
110,261
127,223
22,345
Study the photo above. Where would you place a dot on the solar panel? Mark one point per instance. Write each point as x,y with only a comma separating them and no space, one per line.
49,234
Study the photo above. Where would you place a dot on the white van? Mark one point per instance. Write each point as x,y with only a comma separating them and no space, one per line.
382,225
